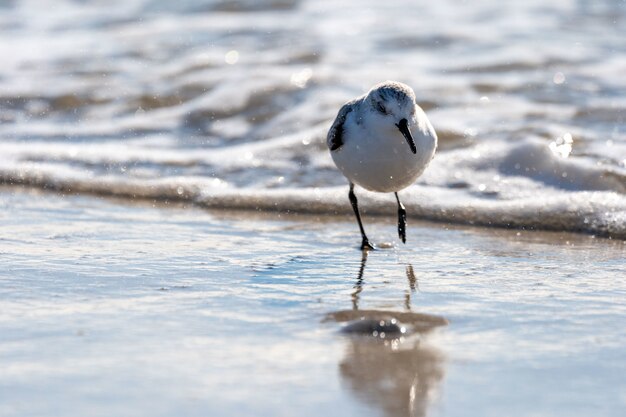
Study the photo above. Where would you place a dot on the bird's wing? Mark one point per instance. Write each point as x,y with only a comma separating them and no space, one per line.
424,124
334,140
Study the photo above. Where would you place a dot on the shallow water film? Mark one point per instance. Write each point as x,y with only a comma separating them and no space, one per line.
236,315
176,240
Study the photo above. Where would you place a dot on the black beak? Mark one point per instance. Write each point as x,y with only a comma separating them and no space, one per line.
404,128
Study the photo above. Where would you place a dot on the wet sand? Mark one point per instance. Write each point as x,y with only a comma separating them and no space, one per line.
113,308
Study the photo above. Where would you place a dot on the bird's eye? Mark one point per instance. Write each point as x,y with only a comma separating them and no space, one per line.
381,108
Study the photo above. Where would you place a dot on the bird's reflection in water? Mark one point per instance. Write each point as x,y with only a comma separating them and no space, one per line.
358,286
400,380
413,286
387,363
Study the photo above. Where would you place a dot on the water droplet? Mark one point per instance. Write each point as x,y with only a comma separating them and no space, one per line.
231,57
562,146
559,78
471,132
301,78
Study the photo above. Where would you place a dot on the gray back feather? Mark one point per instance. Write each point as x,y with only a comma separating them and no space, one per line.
334,139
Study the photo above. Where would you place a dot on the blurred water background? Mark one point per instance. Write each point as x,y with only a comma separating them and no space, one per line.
227,103
128,306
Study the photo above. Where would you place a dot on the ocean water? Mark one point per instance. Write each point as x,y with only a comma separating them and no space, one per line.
123,293
226,104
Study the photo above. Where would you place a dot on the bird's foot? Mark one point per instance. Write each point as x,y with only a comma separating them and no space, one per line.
402,225
366,245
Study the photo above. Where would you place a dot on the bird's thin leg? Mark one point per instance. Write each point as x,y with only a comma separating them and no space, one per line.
401,220
365,244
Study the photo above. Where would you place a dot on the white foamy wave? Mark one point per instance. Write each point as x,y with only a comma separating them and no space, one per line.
590,201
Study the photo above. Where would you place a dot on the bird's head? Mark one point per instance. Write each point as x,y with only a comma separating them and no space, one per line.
393,103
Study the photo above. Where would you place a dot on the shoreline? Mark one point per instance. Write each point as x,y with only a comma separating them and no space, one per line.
372,205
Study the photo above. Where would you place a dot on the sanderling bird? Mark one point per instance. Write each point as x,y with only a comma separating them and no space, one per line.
382,141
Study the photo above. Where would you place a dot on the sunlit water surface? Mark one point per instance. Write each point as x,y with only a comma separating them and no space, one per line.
132,310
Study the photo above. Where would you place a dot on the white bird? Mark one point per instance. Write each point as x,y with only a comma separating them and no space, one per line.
382,141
